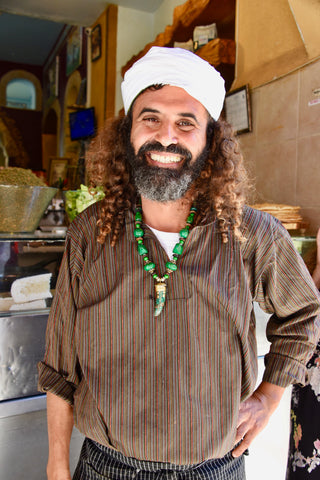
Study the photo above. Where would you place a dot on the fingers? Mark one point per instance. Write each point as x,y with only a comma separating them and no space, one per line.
241,449
245,438
241,433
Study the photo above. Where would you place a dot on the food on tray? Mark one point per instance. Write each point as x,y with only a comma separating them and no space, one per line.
20,176
5,303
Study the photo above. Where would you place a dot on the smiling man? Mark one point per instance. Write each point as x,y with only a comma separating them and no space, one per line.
168,143
151,348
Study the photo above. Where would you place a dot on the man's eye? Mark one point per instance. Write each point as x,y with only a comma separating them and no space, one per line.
185,124
150,119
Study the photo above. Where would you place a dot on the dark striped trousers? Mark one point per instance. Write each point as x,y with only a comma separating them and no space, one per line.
98,463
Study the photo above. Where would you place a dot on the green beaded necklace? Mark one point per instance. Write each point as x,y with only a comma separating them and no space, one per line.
171,266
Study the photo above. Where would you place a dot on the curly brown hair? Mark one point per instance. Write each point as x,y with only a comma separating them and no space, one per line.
219,191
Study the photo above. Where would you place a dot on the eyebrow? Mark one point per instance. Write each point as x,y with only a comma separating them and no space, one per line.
182,114
148,110
189,115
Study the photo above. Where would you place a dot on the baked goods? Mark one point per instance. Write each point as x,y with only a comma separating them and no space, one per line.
27,293
27,289
35,305
288,215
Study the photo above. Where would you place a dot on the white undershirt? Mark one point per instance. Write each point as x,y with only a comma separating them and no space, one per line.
168,240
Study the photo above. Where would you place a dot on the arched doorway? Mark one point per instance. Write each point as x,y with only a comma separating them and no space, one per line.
20,75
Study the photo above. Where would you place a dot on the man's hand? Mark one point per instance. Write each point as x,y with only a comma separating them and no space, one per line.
254,414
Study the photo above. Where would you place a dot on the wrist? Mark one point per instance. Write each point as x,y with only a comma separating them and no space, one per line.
55,472
269,394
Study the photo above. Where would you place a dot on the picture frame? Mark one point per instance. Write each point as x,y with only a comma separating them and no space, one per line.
96,43
238,109
58,171
74,50
53,80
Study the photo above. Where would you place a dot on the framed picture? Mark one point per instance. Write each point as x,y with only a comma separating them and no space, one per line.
96,43
74,50
58,171
53,80
238,109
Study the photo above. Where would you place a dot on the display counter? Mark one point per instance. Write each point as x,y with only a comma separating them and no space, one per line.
22,326
23,423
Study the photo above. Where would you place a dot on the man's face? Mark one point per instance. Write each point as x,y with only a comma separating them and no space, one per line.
169,141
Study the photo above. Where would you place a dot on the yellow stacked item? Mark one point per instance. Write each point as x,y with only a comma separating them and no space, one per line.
288,215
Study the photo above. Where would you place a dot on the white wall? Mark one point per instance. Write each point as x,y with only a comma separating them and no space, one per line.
135,29
164,15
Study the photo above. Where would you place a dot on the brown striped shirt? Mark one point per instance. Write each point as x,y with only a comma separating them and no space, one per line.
168,389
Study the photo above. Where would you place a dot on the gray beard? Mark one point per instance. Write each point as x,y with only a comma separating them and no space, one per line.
162,184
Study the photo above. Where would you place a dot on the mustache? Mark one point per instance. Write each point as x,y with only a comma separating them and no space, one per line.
158,147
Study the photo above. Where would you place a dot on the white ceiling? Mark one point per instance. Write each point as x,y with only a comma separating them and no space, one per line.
75,12
29,29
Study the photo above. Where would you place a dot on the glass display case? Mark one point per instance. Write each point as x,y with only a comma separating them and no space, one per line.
23,325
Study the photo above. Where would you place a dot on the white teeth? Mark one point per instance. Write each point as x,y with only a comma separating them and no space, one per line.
165,158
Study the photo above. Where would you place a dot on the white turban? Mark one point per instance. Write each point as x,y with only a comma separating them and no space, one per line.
179,68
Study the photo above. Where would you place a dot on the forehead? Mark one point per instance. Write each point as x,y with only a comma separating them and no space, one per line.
169,99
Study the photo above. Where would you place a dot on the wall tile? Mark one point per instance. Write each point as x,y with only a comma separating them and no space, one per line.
278,110
308,178
276,172
312,217
309,116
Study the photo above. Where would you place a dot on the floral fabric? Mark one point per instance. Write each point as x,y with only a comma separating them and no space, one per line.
304,449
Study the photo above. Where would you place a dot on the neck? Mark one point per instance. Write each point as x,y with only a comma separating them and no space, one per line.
166,217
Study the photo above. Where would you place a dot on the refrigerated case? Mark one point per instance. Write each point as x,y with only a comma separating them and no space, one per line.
22,332
23,430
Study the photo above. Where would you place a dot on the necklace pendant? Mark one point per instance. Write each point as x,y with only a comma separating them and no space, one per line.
149,266
160,290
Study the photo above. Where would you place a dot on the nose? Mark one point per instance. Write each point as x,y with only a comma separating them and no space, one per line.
167,134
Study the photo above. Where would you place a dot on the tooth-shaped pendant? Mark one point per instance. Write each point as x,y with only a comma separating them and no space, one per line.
160,290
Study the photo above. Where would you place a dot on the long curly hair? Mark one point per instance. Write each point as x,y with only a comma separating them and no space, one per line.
219,191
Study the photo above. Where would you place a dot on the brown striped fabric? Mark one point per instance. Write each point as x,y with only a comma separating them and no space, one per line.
168,389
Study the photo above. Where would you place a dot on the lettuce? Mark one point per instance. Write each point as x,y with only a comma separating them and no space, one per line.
78,200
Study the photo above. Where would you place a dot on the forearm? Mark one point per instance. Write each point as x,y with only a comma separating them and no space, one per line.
60,425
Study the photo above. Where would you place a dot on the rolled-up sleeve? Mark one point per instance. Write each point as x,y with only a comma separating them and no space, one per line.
59,372
286,290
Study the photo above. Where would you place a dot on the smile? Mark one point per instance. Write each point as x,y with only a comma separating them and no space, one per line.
165,158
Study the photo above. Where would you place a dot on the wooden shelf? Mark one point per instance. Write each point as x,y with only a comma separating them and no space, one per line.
199,12
218,51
